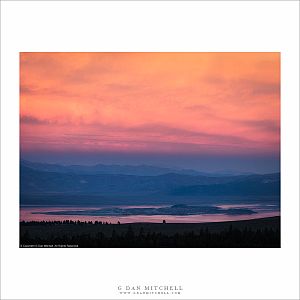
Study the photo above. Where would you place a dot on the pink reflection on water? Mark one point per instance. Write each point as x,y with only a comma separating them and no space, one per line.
26,214
254,206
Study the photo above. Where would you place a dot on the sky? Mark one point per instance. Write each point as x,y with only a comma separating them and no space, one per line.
207,111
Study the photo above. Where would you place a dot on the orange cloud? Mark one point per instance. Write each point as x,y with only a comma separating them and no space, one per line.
184,102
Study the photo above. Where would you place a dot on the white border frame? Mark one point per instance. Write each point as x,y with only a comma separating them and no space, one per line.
258,26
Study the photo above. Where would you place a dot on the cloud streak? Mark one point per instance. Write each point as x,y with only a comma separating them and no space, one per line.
151,102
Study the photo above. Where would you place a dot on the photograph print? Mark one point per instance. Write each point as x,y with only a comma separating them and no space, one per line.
149,150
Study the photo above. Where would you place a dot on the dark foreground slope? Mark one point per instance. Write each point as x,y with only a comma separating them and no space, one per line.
257,233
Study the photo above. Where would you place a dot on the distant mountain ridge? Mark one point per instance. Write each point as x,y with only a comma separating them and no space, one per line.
45,182
138,170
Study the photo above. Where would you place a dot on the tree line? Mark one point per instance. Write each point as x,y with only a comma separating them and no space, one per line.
204,238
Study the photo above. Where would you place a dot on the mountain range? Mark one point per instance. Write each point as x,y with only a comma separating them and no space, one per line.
138,170
59,182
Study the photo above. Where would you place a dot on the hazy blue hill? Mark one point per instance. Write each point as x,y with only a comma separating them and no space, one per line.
44,167
40,181
101,186
268,184
138,170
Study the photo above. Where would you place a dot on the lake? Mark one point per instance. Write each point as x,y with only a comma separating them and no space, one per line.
150,213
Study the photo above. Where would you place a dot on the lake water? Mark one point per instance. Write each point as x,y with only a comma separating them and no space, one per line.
84,213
